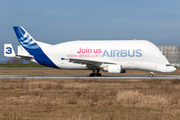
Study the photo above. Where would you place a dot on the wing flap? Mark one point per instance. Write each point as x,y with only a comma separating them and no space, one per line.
92,63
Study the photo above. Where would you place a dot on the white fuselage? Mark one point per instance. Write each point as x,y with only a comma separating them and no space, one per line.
129,54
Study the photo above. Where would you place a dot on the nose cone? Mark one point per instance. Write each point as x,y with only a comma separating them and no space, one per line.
173,68
166,69
170,69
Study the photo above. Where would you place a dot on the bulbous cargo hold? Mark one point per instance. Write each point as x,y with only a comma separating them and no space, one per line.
129,54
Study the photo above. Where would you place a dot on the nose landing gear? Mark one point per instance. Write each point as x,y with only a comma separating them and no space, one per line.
93,74
151,74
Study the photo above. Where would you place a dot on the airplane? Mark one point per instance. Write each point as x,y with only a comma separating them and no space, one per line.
113,56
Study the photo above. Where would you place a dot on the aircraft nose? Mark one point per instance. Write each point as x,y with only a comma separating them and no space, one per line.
170,69
173,69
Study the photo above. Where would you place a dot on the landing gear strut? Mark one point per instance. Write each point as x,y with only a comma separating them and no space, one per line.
95,74
151,74
98,74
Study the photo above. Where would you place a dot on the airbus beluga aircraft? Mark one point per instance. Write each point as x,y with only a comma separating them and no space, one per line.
113,56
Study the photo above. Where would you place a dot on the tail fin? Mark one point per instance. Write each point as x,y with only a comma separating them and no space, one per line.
31,46
9,51
25,38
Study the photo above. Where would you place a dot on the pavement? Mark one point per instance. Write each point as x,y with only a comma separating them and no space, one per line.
87,77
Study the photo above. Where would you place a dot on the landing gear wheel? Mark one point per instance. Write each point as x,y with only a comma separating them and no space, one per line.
151,74
93,74
98,74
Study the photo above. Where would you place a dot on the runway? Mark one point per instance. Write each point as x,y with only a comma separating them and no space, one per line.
87,77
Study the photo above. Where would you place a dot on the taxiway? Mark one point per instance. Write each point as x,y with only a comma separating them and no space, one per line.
87,77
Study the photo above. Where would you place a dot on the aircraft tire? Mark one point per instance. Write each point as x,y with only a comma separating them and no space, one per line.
92,75
98,74
150,75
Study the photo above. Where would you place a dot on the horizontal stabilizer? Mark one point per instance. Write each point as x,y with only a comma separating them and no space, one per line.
29,58
9,51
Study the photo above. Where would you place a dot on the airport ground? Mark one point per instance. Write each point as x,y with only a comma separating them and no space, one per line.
50,71
87,99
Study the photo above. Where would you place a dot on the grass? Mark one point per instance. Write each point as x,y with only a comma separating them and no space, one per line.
102,99
87,99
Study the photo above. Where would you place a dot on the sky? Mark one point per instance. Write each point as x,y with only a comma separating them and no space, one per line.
56,21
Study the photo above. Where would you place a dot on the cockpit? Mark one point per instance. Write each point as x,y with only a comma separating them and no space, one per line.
168,65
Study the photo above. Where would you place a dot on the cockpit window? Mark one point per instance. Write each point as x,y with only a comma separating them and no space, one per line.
168,64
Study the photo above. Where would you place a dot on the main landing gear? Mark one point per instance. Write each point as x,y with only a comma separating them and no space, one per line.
93,74
151,74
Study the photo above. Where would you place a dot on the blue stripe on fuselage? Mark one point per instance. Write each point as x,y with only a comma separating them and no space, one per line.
41,57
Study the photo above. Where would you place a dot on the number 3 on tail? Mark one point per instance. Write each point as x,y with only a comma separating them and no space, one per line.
9,50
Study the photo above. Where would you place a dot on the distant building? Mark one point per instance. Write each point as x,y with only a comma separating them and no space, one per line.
172,53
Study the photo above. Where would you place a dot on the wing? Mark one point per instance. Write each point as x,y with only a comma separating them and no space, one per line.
88,63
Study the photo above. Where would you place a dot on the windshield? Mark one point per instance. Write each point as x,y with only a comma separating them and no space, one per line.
168,65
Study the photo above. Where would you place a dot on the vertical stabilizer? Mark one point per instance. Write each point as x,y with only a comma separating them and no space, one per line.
31,46
25,39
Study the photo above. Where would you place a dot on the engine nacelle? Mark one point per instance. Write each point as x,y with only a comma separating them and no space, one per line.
113,69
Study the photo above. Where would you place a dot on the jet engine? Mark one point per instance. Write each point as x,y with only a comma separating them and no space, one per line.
113,69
